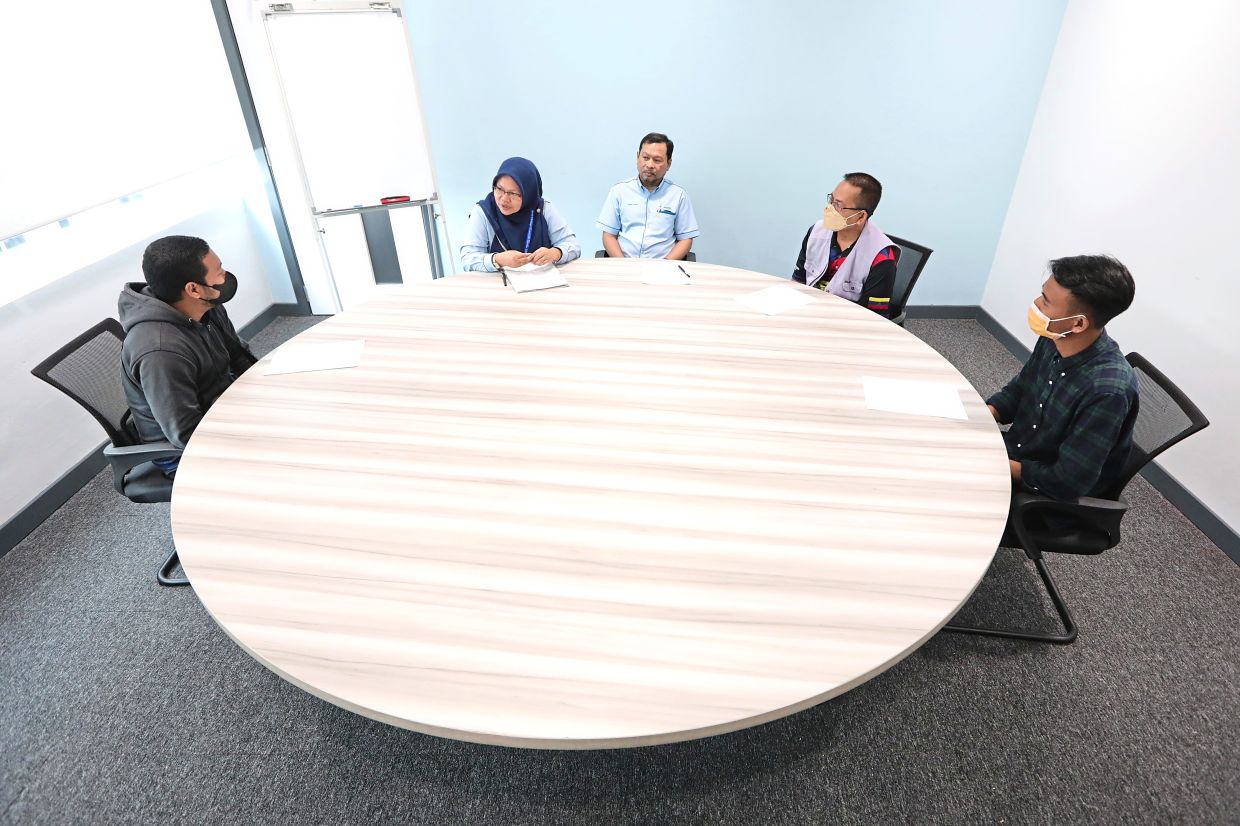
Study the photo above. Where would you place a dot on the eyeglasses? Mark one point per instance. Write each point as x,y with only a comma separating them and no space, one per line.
500,191
831,202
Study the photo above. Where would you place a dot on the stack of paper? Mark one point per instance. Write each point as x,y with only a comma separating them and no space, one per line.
917,398
774,300
529,277
297,357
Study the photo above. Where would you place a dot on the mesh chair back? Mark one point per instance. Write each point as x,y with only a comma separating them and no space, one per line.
1164,416
912,261
88,370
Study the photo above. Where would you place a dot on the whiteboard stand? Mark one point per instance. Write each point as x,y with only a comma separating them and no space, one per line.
381,240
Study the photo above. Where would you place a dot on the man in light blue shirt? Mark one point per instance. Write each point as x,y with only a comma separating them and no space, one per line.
649,216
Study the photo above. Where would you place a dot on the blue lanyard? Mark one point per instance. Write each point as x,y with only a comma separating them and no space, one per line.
529,233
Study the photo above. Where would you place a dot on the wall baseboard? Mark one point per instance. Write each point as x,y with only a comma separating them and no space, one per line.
269,315
1010,342
1208,522
50,500
942,310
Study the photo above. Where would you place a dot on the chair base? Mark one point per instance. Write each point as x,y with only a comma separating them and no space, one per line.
1065,616
165,576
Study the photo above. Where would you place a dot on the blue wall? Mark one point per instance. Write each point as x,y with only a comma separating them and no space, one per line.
768,103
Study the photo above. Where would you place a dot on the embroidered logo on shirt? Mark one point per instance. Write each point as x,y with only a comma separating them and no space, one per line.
665,211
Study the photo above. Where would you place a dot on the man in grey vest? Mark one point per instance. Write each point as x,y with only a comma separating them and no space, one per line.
846,253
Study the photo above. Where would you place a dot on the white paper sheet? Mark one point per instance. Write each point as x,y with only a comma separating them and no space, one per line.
663,272
529,277
774,300
917,398
306,358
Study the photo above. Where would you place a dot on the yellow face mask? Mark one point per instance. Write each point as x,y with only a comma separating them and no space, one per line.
1039,322
835,221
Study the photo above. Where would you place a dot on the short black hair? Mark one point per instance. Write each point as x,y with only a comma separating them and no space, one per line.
657,137
173,261
871,190
1101,285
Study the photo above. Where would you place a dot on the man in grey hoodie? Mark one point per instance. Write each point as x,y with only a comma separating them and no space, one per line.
181,351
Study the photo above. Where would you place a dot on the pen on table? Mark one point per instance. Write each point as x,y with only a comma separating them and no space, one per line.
504,276
682,269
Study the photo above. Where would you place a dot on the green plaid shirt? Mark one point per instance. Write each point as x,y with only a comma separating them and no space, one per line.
1071,419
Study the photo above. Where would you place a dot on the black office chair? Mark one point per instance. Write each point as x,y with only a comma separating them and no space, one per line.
88,370
912,261
689,256
1164,416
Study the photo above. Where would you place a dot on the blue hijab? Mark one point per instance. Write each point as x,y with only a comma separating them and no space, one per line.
526,229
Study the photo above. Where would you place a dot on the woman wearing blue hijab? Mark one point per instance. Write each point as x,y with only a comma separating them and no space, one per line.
515,225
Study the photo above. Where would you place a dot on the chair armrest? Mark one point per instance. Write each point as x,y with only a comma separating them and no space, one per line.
1099,514
124,459
1085,506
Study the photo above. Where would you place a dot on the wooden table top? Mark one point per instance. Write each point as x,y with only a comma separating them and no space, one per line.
605,515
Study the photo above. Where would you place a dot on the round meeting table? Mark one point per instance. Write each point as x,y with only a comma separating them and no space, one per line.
609,514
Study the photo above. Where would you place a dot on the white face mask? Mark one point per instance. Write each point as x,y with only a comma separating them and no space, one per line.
833,220
1040,321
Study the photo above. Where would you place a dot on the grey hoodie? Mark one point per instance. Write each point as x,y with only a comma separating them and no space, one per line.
174,368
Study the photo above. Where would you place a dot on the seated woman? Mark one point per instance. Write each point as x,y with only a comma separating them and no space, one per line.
514,225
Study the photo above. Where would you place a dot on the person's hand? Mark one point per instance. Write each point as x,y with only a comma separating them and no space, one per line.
994,411
1014,466
544,255
512,259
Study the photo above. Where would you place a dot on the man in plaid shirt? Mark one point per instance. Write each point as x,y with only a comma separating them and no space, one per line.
1073,405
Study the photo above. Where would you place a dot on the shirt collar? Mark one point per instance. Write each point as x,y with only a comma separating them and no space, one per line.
658,190
1087,355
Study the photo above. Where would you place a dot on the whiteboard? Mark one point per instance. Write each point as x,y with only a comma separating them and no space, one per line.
348,83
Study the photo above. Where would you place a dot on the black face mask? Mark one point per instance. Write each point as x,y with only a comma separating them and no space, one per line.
226,290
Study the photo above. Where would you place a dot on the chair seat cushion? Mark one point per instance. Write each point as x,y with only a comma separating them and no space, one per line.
1063,540
1073,541
147,483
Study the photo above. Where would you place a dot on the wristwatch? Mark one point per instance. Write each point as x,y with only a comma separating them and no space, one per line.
494,263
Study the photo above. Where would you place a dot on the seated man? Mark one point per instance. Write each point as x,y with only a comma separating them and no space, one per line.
845,253
1073,405
649,216
180,351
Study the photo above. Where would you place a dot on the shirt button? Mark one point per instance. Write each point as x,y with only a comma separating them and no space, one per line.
1035,427
1039,405
1063,374
1050,381
1018,444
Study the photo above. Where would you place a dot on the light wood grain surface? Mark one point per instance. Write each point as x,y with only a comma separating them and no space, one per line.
604,515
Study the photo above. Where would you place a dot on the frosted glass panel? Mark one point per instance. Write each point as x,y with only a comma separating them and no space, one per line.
105,99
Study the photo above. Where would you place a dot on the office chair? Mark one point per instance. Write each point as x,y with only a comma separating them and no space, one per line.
911,262
88,370
689,256
1164,416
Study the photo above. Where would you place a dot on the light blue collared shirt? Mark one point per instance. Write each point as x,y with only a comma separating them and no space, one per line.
476,251
648,223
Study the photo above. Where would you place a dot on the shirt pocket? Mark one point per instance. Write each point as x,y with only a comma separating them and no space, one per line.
663,218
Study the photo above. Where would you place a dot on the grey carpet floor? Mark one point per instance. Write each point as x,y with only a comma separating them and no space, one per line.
122,702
